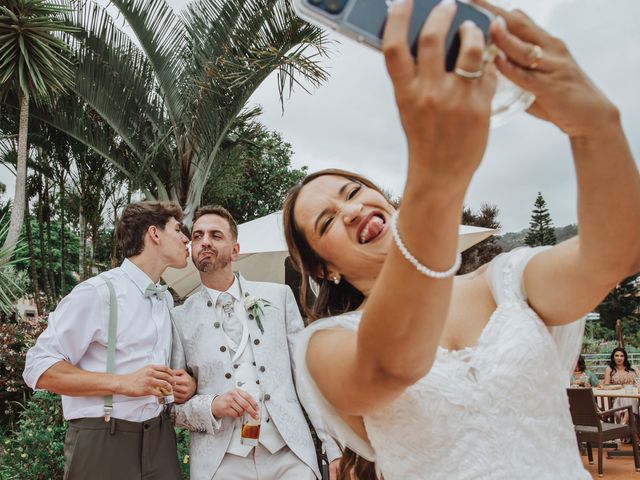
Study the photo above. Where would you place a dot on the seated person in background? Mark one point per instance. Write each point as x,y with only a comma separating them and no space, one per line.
582,377
620,372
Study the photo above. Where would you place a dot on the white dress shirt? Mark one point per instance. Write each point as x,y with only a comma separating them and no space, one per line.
77,333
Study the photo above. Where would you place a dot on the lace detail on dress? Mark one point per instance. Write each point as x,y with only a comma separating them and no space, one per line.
476,414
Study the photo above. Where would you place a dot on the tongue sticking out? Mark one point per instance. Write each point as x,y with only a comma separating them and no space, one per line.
371,229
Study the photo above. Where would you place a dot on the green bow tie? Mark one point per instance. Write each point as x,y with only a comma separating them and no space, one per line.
154,289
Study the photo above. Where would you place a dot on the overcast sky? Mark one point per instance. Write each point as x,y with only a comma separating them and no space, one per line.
351,121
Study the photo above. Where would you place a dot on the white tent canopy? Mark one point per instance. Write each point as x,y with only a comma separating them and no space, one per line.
263,251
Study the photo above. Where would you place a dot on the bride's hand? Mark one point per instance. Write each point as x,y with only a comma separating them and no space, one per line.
445,116
542,64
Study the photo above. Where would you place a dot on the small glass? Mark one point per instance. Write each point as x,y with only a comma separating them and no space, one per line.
167,398
250,430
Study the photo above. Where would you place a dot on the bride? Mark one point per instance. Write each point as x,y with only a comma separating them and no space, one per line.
422,373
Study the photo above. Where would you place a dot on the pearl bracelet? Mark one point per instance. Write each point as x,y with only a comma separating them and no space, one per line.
414,261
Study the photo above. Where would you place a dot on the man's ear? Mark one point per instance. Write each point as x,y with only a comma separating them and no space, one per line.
152,231
235,252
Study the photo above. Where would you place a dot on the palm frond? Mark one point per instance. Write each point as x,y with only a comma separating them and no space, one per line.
34,56
10,288
162,37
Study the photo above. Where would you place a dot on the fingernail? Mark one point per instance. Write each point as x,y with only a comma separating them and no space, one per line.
500,21
467,24
447,2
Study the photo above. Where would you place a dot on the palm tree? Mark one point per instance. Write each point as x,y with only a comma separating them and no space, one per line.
32,65
173,98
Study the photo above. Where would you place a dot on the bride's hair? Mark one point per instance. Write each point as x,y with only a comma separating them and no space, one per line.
330,299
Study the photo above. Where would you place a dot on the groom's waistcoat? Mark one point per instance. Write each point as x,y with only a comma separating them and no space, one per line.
245,376
200,347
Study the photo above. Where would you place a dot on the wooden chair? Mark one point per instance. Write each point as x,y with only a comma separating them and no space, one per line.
591,427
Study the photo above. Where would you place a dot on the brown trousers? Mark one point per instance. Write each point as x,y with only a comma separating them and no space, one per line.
121,450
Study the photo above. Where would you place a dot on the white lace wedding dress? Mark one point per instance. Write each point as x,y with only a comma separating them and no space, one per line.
495,411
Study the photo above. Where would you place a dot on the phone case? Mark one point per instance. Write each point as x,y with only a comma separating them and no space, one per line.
364,21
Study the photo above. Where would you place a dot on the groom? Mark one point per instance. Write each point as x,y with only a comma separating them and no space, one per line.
240,357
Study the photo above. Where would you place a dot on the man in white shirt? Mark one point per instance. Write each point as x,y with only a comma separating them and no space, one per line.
118,427
234,336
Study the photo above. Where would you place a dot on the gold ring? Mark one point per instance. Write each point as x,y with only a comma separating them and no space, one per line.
467,74
537,53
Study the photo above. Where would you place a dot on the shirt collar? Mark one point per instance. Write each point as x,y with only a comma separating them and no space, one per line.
233,290
137,276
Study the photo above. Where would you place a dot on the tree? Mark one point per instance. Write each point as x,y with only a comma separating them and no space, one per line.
540,226
172,100
32,65
486,250
255,175
623,302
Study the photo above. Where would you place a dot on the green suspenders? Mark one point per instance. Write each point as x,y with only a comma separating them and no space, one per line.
111,342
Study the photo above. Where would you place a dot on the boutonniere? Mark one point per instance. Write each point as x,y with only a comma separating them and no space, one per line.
255,306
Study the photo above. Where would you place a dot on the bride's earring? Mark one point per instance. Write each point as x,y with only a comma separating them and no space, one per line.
336,279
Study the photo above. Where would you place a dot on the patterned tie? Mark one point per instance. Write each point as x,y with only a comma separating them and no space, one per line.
153,289
230,323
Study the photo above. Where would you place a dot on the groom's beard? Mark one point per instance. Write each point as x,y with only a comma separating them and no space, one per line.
213,263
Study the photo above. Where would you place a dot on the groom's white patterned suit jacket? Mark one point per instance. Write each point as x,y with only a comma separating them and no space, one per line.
197,347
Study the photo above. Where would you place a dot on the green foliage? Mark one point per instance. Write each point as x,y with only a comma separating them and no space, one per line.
255,176
34,450
34,60
12,285
622,303
16,337
162,106
182,436
541,230
486,250
72,252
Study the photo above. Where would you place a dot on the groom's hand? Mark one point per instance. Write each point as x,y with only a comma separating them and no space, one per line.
233,404
145,381
184,385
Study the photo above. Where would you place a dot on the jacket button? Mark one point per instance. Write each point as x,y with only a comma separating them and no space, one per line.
266,397
216,324
257,382
227,375
223,348
262,369
256,342
250,316
209,303
254,364
236,366
246,294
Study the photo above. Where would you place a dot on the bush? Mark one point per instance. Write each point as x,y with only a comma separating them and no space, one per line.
35,448
15,339
183,451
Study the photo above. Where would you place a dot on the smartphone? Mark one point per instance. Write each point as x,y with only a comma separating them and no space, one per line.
364,21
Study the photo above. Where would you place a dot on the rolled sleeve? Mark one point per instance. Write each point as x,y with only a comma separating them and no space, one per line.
73,326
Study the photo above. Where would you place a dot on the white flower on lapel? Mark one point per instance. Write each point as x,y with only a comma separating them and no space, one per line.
255,306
